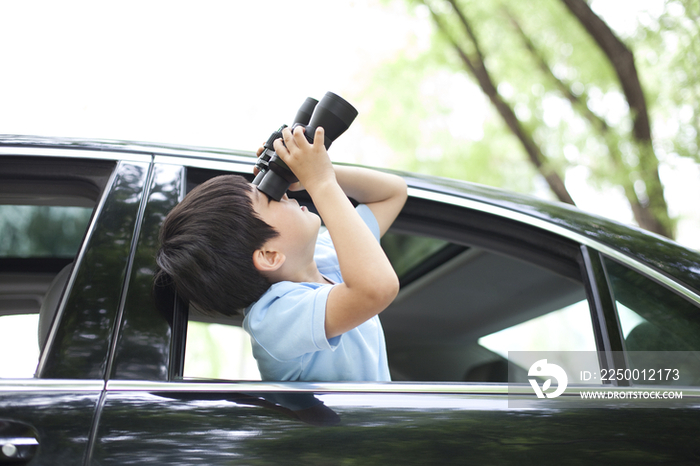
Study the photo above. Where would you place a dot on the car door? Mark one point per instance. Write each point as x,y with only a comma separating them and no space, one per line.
474,278
68,218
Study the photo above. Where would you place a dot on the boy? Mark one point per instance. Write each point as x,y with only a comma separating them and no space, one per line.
317,319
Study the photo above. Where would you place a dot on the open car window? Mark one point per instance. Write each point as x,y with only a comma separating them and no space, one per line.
468,296
448,326
458,321
219,351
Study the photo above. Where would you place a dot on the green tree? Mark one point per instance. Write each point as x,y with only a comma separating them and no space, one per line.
565,88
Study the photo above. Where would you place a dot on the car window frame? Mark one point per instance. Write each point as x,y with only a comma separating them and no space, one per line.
176,369
606,328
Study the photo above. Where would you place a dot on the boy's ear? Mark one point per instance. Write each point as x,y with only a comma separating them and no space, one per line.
268,260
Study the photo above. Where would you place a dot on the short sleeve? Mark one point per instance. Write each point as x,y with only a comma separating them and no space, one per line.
369,219
289,320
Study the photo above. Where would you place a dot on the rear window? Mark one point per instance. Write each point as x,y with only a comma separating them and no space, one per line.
46,206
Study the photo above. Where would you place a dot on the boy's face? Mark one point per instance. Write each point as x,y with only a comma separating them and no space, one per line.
296,225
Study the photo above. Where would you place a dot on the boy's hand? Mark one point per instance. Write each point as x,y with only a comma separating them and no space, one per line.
292,187
309,162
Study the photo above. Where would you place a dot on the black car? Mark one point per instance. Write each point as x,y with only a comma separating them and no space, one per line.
93,371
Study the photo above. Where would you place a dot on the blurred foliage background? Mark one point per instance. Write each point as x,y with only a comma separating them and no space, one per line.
569,99
593,102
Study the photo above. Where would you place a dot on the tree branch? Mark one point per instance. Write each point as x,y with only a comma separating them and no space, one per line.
622,61
599,124
477,67
654,216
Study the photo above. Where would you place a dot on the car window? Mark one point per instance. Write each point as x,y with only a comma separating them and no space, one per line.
218,351
473,287
36,242
460,319
46,204
19,347
412,256
567,329
661,329
553,315
41,230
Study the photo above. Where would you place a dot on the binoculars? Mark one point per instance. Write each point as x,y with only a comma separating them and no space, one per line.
333,113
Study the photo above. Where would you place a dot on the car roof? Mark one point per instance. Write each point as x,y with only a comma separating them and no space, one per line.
659,253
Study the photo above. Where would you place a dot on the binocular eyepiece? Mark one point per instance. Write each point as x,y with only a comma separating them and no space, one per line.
333,113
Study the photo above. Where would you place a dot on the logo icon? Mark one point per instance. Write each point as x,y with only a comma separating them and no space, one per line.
542,368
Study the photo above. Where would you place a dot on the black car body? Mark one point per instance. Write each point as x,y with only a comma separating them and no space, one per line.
111,384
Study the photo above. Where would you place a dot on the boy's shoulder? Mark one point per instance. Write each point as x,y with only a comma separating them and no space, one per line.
286,295
289,309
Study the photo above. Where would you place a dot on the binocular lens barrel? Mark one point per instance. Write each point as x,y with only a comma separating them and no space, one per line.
333,113
305,111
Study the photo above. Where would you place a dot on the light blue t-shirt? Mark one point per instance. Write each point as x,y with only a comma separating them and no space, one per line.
287,328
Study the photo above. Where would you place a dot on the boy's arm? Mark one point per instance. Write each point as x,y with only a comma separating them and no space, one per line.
383,193
369,281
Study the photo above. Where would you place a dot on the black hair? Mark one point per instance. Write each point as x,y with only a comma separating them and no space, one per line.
207,245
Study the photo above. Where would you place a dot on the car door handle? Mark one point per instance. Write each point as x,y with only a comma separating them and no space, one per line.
17,449
18,442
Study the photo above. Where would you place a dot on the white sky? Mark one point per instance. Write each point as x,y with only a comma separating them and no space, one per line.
214,73
225,73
